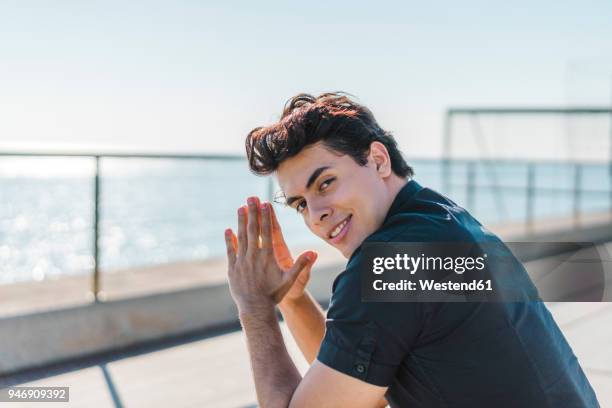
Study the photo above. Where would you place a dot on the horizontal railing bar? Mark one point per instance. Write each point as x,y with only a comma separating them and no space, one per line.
125,155
534,110
537,189
505,161
237,157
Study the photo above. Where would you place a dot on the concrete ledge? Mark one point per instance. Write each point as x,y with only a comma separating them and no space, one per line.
41,339
48,337
45,338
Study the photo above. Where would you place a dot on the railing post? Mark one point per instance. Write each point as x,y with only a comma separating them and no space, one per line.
577,193
96,220
446,153
530,197
471,186
610,154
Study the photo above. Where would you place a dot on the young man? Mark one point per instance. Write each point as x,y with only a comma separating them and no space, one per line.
348,180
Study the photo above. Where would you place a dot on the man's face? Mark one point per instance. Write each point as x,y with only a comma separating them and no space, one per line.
336,196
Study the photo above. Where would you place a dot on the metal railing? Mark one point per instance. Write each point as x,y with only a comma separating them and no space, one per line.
476,112
97,157
471,186
530,189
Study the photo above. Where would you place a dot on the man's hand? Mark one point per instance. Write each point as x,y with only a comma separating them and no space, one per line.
285,260
260,273
257,282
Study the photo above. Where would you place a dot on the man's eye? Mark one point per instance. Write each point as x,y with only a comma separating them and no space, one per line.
301,206
326,183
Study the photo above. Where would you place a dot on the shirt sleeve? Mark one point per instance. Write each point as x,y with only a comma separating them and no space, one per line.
367,340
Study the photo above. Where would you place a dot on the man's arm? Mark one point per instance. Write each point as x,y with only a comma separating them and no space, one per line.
301,312
322,386
325,387
257,283
306,321
276,377
278,382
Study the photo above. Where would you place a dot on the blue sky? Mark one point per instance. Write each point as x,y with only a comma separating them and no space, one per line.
194,76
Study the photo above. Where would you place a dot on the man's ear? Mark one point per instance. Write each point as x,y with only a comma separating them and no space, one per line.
380,158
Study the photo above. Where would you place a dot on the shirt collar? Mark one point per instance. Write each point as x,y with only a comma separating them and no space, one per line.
403,196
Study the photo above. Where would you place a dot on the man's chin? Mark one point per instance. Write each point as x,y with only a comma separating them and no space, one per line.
346,251
342,247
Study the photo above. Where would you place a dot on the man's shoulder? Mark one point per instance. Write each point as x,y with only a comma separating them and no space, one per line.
430,217
444,224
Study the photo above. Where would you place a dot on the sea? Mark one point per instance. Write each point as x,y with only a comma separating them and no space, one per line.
154,211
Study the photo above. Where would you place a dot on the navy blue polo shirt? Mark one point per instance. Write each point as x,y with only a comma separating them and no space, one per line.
471,354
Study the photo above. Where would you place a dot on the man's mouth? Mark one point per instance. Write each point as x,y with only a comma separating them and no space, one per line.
340,230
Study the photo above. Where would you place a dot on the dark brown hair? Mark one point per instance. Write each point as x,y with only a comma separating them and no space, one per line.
341,124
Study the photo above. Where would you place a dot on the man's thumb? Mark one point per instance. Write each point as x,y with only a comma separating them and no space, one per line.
304,260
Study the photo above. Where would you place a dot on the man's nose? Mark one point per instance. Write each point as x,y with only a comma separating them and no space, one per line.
319,214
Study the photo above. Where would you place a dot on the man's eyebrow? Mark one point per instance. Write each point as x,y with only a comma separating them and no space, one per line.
315,174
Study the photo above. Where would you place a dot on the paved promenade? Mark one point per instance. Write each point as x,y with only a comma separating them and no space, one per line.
215,372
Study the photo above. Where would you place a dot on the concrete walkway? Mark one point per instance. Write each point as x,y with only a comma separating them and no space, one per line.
215,372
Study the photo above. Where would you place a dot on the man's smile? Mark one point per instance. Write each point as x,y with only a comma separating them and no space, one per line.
339,231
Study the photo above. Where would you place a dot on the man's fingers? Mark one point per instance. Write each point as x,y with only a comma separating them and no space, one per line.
277,233
304,276
242,231
302,262
230,246
235,242
253,224
266,227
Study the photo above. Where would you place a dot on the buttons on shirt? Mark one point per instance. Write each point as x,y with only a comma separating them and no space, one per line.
360,368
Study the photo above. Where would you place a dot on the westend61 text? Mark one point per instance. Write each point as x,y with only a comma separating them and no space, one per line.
429,285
